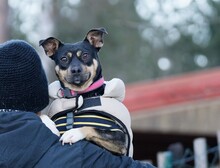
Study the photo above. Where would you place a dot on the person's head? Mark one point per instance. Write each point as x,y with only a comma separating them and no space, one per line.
23,83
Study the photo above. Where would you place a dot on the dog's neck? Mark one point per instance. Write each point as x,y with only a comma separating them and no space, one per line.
95,89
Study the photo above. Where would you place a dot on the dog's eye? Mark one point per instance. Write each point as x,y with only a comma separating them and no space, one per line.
64,59
85,57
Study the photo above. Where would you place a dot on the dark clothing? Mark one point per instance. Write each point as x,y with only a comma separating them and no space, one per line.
23,83
25,142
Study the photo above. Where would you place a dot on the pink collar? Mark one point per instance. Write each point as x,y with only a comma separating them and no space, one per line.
92,87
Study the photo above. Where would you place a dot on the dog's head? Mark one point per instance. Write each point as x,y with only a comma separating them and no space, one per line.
77,64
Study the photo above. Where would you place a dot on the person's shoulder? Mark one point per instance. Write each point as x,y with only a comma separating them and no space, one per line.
10,115
27,114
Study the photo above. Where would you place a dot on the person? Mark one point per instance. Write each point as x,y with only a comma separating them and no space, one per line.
25,141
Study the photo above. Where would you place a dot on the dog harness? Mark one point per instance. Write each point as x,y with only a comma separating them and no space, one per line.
86,119
86,115
83,117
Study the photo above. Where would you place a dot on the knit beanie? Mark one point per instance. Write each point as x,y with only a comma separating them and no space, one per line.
23,83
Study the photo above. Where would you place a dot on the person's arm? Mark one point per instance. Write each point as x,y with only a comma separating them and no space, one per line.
95,156
81,154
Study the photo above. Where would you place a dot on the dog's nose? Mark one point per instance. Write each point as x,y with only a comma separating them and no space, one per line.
76,69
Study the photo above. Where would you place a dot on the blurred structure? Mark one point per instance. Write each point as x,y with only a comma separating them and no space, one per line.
182,107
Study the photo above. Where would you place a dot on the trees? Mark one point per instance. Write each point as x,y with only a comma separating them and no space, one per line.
4,30
147,39
183,32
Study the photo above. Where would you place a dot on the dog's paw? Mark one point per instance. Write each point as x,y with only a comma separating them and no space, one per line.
72,136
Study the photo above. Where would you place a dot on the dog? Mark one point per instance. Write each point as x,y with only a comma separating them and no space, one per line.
79,71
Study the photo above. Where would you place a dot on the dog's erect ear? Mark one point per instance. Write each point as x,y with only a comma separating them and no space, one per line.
50,45
95,37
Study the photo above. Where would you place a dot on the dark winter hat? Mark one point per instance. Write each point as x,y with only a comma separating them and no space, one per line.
23,83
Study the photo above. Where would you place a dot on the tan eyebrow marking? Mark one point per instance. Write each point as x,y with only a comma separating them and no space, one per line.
69,54
78,53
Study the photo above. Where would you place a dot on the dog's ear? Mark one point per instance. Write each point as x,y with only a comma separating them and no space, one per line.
50,45
95,37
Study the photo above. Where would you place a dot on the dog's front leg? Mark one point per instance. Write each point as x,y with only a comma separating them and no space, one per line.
73,135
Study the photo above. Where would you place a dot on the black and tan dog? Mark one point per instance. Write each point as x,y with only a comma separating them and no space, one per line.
79,72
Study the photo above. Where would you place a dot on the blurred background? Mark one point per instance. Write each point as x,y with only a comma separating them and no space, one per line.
147,39
166,52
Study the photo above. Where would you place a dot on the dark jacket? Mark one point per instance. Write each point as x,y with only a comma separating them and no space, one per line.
25,142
